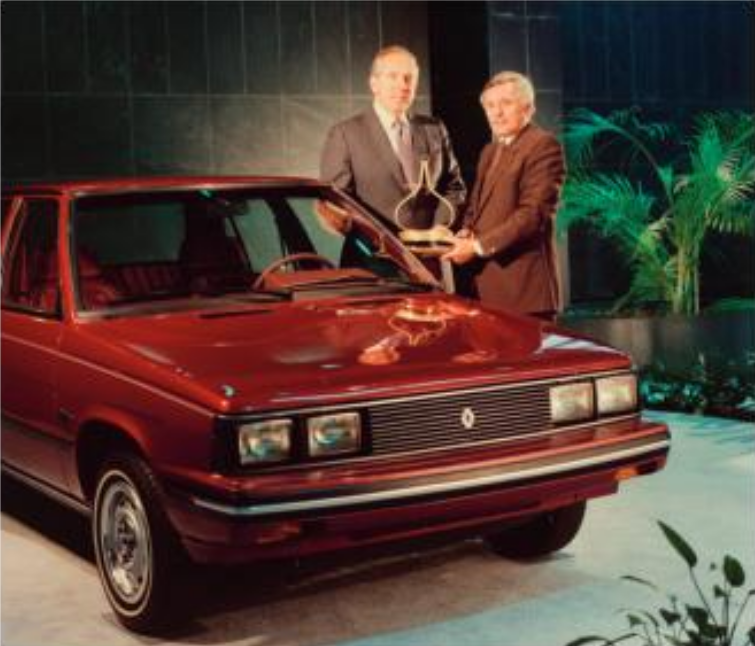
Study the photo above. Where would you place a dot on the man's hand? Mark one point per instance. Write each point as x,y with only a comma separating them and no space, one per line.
463,250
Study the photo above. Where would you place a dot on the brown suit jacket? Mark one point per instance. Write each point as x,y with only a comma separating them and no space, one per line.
512,212
357,157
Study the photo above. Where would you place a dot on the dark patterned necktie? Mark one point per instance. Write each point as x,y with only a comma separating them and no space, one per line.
405,152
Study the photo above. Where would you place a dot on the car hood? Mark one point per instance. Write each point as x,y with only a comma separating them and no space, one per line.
243,358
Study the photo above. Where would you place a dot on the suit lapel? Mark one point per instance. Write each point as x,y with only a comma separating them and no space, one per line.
481,188
493,174
383,147
420,144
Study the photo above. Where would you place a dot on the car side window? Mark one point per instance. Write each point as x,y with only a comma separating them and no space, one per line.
31,271
6,204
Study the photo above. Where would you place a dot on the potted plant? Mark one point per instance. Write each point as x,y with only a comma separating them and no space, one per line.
710,618
659,208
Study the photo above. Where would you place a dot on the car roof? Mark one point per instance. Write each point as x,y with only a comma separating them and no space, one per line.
102,186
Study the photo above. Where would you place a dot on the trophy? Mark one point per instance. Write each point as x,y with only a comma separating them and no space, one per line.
436,240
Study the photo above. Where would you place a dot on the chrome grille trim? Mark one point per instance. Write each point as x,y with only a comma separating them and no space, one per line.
436,423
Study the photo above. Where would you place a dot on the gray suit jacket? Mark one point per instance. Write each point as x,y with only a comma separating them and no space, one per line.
358,158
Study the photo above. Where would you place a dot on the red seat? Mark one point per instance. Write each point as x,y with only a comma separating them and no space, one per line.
95,290
42,277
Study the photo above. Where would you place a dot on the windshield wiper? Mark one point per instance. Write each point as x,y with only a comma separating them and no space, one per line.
257,295
263,295
360,281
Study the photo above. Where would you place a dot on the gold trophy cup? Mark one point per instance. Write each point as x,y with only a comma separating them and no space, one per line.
436,240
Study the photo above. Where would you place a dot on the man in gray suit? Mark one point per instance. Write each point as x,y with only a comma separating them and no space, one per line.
375,156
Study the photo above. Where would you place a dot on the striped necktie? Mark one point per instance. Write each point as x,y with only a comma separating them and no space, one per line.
405,152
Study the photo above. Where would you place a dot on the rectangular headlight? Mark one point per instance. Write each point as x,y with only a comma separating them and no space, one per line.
334,434
616,394
265,442
572,402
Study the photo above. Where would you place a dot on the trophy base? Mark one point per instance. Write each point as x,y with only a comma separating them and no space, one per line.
429,243
434,251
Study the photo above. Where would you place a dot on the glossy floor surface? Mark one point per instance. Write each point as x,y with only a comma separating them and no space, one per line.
425,595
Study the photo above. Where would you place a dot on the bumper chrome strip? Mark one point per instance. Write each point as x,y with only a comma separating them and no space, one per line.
271,509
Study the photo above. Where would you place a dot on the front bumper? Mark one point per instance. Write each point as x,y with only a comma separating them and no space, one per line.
358,507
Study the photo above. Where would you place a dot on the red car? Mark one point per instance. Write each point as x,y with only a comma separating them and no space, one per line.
244,368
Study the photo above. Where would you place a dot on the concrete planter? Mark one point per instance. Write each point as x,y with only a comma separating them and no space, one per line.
676,341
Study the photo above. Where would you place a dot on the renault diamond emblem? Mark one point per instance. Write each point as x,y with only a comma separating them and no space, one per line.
467,418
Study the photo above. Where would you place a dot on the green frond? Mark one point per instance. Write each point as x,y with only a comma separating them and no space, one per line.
660,227
609,203
583,128
667,177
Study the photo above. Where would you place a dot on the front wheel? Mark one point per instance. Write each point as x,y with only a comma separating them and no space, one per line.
542,535
137,551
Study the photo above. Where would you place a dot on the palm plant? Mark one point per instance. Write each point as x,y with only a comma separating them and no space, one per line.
660,212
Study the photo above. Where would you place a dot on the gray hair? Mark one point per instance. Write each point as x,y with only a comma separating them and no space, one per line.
523,84
388,51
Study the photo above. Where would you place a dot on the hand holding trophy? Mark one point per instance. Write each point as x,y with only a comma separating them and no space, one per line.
438,238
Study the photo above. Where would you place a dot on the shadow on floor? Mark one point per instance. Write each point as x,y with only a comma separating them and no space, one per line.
209,592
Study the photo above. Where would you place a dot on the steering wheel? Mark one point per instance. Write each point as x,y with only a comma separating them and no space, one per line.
287,260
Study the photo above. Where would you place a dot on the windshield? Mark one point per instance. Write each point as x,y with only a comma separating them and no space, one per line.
249,244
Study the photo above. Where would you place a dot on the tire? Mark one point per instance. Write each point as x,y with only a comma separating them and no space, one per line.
139,557
540,536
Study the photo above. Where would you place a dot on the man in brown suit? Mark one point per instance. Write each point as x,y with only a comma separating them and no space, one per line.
507,238
375,155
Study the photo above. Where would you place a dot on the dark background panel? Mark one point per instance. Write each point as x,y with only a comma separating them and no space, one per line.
187,47
171,135
297,47
508,43
332,60
148,31
648,64
544,42
262,47
305,123
247,135
24,63
90,135
620,54
107,47
25,136
225,30
65,38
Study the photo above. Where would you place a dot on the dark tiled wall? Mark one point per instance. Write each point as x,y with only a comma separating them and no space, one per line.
671,57
526,37
109,88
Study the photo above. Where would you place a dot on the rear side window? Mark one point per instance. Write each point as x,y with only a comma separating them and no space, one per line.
31,269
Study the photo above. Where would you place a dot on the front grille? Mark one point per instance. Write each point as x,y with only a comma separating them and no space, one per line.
417,424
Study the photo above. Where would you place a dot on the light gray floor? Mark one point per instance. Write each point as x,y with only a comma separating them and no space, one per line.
452,595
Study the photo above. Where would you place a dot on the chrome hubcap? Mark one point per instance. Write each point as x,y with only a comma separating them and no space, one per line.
125,546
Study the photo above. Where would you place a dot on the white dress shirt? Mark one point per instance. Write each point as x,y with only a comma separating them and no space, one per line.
387,121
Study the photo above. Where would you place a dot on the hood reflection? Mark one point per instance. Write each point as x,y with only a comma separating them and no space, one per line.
416,324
